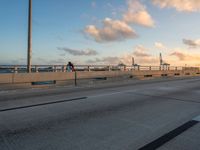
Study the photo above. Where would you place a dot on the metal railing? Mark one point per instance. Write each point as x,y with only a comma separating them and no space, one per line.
63,68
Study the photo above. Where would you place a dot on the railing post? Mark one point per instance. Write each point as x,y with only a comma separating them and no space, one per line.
15,69
64,68
36,69
109,68
55,69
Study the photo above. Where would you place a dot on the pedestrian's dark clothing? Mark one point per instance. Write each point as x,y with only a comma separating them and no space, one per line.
70,67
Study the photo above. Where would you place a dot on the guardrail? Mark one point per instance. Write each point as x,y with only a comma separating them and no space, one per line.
63,68
59,76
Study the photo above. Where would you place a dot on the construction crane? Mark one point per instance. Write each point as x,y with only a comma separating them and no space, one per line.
163,64
133,62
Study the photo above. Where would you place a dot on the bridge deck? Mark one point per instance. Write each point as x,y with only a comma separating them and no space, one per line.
108,117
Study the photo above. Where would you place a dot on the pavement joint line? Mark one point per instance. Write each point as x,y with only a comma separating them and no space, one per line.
177,99
42,104
170,135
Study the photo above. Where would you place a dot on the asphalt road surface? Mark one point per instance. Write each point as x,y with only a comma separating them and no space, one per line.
145,115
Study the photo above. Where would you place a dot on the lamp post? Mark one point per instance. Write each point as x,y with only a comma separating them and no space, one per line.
29,50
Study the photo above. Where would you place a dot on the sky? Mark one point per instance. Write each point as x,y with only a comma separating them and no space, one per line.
101,32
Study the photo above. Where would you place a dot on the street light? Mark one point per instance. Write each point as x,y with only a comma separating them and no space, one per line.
29,54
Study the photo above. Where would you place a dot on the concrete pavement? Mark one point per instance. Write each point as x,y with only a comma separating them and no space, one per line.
109,118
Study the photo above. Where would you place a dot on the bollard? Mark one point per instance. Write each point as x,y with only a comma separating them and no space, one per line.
89,68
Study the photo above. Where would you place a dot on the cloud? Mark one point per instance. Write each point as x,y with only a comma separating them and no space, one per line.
126,59
145,61
142,57
159,45
87,52
140,51
138,14
106,60
179,5
112,30
192,43
121,29
184,56
181,56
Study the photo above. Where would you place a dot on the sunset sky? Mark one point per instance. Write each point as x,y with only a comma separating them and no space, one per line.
102,31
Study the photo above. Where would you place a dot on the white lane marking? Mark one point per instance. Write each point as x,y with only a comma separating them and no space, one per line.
197,118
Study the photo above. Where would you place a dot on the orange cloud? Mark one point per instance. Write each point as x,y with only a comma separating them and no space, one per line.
138,14
159,46
179,5
119,30
112,30
181,56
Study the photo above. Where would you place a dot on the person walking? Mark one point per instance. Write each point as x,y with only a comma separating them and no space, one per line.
70,67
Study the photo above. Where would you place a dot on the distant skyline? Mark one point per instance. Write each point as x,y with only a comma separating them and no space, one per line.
102,31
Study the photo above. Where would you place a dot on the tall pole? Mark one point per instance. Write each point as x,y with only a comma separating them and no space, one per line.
29,54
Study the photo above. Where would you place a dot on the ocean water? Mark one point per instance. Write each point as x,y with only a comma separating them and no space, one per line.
23,70
5,71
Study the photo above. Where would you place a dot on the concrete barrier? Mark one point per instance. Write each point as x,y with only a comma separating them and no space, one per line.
6,78
63,78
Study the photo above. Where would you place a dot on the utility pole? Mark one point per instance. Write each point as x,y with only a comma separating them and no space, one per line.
29,54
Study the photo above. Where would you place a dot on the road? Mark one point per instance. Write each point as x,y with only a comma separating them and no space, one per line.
154,114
